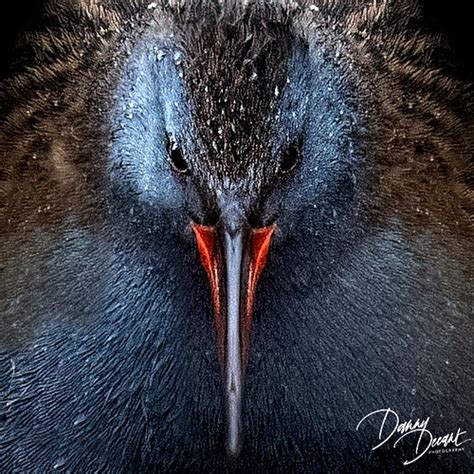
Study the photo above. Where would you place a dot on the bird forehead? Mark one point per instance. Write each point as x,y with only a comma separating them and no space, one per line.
234,76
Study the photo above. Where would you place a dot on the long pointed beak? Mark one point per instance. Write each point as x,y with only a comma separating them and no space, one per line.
233,360
233,263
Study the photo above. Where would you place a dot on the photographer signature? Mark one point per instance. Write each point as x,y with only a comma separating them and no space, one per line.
417,430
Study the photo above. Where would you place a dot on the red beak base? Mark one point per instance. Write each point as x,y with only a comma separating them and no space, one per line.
209,247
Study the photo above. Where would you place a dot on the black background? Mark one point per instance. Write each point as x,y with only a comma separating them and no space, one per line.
450,17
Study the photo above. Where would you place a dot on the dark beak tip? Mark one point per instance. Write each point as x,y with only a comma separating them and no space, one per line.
233,452
234,446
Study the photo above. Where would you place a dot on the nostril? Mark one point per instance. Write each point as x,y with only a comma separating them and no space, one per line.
176,157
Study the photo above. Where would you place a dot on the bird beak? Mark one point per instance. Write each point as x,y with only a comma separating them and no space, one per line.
233,262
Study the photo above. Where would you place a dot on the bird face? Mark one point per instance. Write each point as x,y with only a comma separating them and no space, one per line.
225,137
294,174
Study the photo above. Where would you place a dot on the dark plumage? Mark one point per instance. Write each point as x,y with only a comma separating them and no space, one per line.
122,123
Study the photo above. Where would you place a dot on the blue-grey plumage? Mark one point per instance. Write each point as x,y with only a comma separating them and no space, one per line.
323,125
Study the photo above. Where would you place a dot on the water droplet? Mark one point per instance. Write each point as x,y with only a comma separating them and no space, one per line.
160,54
177,58
59,463
80,419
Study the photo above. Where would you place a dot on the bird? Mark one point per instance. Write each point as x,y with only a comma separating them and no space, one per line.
236,236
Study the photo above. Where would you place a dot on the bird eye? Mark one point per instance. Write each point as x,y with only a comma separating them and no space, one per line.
290,158
175,155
